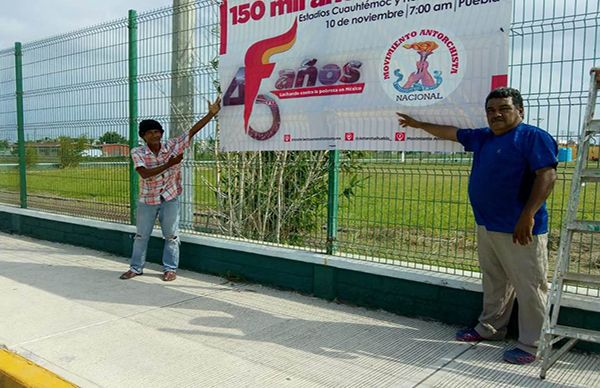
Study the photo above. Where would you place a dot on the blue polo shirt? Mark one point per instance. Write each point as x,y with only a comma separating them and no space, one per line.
503,173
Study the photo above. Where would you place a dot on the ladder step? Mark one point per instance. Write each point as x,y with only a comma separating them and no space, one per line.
585,226
552,333
581,277
593,127
590,175
575,332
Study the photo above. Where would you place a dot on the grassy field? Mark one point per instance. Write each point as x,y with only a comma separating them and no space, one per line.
411,211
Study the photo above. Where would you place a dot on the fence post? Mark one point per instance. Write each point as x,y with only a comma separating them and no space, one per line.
332,201
133,112
20,125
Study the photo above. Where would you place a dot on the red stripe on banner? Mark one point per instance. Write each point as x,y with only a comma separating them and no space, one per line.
320,91
223,43
499,81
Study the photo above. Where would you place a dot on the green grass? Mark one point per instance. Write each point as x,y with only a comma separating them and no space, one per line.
99,184
425,196
417,212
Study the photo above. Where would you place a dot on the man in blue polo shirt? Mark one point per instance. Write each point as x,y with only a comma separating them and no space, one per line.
513,172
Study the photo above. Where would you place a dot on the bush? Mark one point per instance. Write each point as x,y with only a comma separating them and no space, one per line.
71,150
277,196
31,156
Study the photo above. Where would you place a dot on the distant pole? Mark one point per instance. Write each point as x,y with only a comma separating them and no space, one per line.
20,125
182,95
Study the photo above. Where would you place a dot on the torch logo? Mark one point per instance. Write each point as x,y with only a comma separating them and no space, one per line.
422,67
421,78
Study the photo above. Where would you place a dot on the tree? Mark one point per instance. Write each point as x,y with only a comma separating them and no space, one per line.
31,155
71,150
112,137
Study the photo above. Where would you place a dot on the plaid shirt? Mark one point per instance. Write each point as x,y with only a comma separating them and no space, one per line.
168,183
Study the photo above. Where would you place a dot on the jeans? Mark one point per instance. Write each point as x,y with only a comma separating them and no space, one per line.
168,216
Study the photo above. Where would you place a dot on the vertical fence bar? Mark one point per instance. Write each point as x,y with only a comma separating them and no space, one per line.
20,125
332,201
133,112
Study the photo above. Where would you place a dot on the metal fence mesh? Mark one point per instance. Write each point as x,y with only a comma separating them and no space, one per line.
409,209
75,91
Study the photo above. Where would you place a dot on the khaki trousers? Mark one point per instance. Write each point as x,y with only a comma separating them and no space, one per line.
511,270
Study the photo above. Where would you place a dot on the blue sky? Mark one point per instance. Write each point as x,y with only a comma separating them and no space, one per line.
31,20
28,21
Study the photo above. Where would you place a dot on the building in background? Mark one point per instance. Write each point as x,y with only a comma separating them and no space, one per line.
115,150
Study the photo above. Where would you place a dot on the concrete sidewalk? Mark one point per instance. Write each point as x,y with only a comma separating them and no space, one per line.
65,308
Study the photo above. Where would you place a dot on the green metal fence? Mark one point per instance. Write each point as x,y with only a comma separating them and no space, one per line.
9,186
84,93
75,91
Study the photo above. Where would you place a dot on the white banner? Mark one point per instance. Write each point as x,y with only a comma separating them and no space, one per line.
330,74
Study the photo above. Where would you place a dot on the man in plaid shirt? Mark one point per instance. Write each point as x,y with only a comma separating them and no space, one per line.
158,165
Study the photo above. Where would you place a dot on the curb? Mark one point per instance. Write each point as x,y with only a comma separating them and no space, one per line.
17,371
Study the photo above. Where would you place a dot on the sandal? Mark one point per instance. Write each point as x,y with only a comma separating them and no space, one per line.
130,274
169,276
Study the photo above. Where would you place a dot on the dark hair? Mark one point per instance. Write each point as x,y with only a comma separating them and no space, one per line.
147,125
517,99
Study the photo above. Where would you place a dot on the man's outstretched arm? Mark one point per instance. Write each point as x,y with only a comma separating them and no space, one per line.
213,109
447,132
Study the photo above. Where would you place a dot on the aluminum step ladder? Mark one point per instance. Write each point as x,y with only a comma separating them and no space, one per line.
552,332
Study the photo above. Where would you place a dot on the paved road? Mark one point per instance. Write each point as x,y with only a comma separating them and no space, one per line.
65,308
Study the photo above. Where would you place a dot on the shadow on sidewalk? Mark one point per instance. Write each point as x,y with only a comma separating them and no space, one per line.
219,312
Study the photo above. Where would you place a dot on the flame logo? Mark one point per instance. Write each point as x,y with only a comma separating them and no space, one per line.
426,46
258,65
